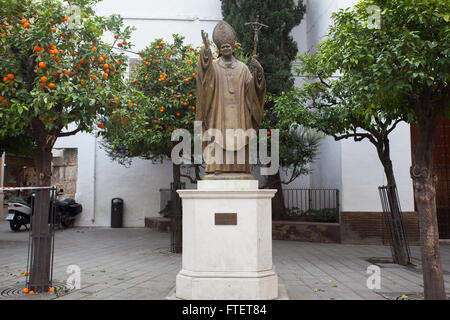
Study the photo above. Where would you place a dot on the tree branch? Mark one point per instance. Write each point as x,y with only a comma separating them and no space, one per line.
70,133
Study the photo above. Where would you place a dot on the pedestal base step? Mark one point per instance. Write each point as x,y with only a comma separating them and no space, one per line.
282,293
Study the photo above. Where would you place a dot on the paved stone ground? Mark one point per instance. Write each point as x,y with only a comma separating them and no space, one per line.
135,263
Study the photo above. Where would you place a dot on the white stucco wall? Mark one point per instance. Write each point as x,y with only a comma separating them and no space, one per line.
100,180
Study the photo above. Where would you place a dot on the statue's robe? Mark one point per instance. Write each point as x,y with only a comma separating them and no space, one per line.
229,97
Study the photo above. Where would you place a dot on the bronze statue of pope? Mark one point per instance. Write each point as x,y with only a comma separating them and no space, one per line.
229,96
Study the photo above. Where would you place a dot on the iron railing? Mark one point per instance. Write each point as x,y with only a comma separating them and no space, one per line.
317,204
41,239
393,220
170,207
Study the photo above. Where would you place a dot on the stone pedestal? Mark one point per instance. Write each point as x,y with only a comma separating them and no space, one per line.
227,242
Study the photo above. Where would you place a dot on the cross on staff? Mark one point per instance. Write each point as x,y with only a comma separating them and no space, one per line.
257,26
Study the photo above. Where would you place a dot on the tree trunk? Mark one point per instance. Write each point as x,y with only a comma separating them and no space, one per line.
278,208
425,198
40,260
394,224
176,172
176,217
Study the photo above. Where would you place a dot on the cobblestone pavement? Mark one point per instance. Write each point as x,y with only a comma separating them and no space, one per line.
135,263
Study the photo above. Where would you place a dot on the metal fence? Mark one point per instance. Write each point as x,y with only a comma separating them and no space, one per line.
393,220
170,207
41,241
317,204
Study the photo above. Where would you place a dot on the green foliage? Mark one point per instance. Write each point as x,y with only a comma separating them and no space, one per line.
18,143
400,61
166,81
276,48
54,69
361,79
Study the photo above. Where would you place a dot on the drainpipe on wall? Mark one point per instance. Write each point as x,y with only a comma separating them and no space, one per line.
2,180
3,170
94,174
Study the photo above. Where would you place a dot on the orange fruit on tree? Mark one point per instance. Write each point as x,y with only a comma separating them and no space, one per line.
116,99
44,79
42,65
42,84
53,30
81,61
5,79
27,25
23,21
119,44
105,66
10,76
116,36
51,85
100,59
105,75
124,43
93,77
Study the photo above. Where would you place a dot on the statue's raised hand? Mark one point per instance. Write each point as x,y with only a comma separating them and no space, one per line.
256,65
205,40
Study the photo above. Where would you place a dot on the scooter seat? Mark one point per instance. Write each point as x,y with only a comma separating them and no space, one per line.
61,204
69,201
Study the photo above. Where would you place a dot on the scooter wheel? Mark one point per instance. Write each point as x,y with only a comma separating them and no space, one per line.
15,225
66,223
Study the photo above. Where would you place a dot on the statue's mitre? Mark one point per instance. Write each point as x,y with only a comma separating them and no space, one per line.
224,33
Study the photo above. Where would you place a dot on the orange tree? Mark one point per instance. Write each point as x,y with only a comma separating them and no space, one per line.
166,79
56,71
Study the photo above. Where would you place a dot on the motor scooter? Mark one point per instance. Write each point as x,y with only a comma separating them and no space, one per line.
20,212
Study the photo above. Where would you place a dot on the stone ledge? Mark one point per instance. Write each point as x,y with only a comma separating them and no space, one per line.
158,224
324,232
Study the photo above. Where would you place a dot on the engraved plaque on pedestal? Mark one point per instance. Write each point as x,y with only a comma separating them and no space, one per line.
225,219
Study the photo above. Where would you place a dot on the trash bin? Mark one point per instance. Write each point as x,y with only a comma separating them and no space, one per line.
116,212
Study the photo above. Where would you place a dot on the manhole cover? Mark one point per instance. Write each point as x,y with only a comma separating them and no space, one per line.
17,290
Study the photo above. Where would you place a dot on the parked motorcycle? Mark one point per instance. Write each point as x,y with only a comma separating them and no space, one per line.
20,212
